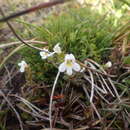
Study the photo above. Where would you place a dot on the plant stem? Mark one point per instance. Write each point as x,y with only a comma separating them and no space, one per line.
51,98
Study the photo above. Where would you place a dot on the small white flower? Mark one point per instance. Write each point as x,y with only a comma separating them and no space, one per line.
22,65
108,64
57,48
45,54
69,64
81,2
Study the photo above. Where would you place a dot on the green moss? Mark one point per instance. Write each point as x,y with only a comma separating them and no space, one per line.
82,32
41,70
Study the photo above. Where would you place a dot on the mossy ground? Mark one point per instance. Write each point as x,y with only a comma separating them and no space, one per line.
81,31
86,33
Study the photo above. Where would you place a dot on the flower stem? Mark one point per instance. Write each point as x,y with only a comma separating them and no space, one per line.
51,98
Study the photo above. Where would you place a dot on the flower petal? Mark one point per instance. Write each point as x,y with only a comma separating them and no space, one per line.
19,64
72,57
76,67
22,69
41,53
108,64
57,48
67,57
22,65
23,62
44,57
62,67
69,70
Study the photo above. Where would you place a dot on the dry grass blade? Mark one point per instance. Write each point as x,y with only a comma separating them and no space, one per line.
96,87
102,96
95,70
19,38
109,79
53,129
31,106
17,114
92,86
34,115
113,86
14,51
107,86
95,109
86,92
102,83
32,9
98,76
10,54
17,43
88,127
68,106
91,98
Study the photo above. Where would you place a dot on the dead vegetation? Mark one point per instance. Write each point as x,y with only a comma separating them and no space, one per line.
97,98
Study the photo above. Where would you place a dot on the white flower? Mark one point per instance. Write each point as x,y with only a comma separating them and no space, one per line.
81,2
57,48
69,64
22,65
45,54
108,64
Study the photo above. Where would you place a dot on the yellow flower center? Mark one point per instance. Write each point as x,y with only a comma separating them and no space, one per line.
69,63
46,54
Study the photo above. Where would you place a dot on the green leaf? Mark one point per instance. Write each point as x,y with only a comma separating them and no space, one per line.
126,60
1,51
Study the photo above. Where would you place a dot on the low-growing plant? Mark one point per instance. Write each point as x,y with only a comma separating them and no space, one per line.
79,41
80,31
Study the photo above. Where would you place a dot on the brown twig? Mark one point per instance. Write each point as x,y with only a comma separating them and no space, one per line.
95,70
17,114
18,42
32,9
18,37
